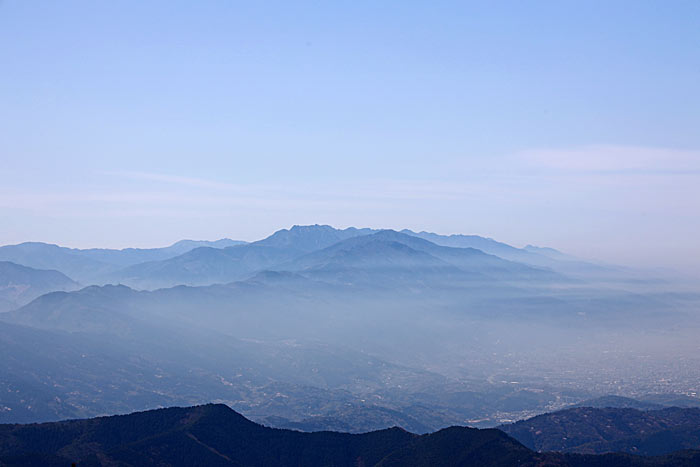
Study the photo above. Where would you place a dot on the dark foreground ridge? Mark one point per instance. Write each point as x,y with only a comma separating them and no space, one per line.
215,435
591,430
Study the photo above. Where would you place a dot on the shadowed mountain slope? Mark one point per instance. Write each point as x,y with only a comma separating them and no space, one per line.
619,402
600,430
673,400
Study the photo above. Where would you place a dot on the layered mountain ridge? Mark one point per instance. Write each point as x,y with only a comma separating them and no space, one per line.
20,285
318,328
204,263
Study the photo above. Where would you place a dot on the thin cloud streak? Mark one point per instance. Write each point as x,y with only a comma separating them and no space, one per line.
614,160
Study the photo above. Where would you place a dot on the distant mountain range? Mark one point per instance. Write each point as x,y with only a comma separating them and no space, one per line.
203,263
89,265
323,251
21,284
487,245
190,262
215,435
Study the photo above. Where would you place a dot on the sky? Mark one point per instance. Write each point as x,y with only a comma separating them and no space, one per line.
557,123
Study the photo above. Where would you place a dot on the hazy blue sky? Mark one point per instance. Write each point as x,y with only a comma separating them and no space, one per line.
574,124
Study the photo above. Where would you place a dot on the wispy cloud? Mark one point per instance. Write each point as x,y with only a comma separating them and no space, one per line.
614,160
177,180
369,188
533,176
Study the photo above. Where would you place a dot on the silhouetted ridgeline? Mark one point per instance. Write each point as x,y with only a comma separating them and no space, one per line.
215,435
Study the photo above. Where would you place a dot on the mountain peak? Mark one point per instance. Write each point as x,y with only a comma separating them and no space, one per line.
312,227
307,238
